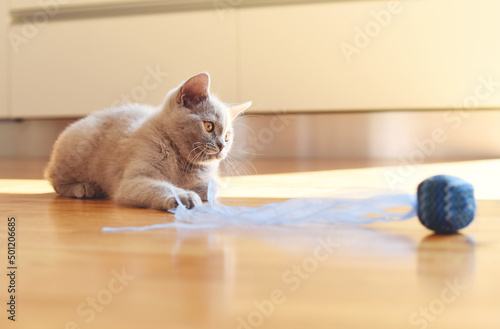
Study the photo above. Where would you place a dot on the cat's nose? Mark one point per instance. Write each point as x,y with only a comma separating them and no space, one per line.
220,146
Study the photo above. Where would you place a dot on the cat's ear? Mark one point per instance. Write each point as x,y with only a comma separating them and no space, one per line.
194,90
237,109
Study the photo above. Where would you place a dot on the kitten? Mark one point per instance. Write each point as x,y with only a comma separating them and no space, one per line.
134,154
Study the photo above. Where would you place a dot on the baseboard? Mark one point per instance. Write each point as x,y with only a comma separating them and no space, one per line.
408,136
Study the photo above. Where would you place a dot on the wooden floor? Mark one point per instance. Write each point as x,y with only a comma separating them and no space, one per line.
390,275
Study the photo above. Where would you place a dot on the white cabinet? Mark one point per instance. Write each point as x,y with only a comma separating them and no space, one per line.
321,56
362,55
76,66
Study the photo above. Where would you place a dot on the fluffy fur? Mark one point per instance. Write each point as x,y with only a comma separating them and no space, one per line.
134,154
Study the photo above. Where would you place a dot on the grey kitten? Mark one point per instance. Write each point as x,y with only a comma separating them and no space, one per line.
136,154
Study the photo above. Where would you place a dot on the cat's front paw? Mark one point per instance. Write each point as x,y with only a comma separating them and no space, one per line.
188,198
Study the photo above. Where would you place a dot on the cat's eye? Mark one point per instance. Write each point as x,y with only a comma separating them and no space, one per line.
209,127
226,137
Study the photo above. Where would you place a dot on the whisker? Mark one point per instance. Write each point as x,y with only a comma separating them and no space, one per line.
201,153
248,162
230,168
242,153
192,161
243,164
193,151
246,126
249,115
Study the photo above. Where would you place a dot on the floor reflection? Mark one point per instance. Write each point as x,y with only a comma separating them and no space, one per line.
445,271
442,257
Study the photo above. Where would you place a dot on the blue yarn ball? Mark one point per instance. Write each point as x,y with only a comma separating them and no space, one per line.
445,203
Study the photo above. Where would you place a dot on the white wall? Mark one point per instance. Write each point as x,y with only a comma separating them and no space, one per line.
4,67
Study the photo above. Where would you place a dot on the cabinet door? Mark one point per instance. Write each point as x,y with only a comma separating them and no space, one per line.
364,55
73,67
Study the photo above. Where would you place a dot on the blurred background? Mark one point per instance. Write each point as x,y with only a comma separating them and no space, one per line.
409,80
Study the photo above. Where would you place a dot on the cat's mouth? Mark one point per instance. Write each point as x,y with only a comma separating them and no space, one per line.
209,154
213,154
